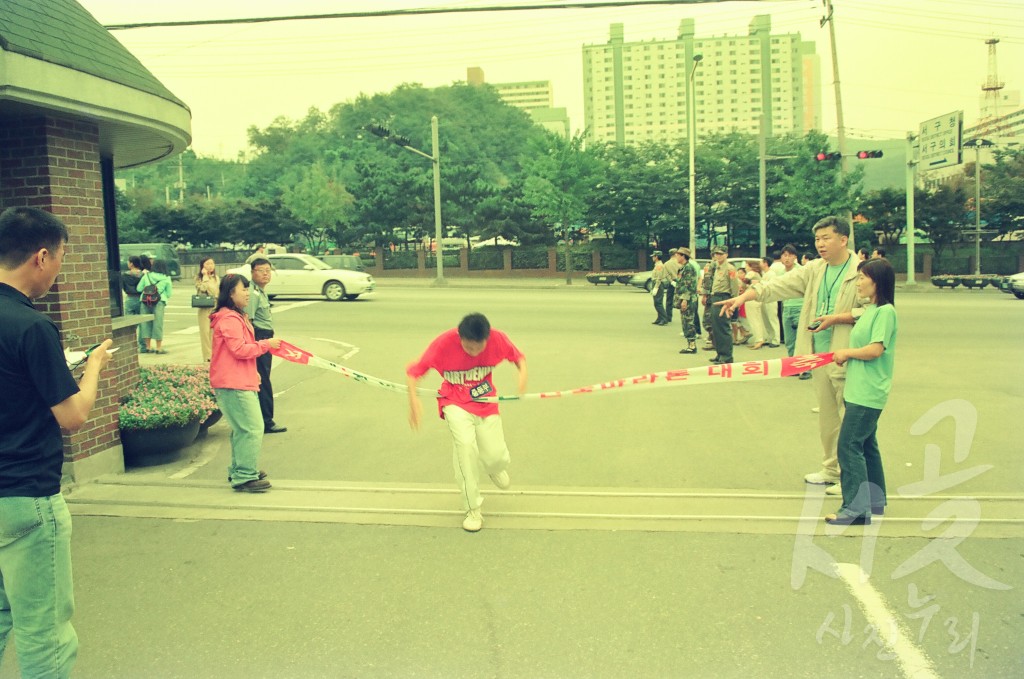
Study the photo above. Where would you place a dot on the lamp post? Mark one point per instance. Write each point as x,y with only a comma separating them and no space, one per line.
691,119
977,144
385,133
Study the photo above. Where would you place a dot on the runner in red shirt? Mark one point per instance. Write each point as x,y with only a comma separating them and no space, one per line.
465,357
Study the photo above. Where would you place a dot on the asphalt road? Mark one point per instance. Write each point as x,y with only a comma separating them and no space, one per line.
196,594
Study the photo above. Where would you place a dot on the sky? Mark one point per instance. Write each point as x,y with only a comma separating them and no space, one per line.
901,62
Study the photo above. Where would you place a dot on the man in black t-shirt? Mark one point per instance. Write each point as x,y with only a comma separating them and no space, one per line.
41,397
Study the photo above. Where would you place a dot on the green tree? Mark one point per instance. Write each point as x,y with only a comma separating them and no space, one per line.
886,211
941,213
802,190
320,205
559,185
1002,190
640,191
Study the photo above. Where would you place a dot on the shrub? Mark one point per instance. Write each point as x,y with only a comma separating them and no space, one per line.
167,396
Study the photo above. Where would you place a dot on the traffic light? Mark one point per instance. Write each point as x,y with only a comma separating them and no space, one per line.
827,156
379,130
869,154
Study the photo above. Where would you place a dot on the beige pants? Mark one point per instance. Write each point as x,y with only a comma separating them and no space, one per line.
753,310
477,443
829,381
205,336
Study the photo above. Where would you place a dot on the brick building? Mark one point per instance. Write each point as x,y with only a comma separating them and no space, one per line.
75,105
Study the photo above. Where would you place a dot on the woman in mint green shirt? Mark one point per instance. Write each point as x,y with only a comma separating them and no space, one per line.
869,371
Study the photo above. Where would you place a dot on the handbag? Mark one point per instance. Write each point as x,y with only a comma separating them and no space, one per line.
202,301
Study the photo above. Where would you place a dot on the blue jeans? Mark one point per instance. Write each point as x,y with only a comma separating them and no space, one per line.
153,329
790,323
242,411
860,461
133,307
36,590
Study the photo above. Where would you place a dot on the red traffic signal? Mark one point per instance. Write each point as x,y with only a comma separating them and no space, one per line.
827,156
869,154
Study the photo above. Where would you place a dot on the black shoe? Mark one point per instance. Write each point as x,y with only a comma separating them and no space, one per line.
656,322
848,520
805,376
254,486
275,429
688,350
262,476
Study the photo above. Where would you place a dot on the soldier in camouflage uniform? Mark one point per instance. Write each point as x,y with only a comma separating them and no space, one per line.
705,291
685,300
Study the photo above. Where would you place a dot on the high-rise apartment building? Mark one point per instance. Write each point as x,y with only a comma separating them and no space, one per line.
636,91
535,97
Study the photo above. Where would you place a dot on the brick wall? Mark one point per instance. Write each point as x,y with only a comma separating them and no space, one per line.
53,163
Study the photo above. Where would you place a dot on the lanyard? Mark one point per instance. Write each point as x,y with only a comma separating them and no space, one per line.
829,288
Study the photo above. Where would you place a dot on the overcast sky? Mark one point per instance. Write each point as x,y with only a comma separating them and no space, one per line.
901,61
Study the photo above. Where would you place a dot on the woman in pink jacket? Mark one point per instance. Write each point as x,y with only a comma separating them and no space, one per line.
236,383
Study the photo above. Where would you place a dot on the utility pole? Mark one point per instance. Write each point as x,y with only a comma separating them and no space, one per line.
840,127
181,182
911,167
385,133
762,187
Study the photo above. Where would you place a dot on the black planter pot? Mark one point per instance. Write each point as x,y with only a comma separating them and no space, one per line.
147,447
211,419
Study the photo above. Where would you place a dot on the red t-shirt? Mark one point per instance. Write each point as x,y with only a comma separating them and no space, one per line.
465,377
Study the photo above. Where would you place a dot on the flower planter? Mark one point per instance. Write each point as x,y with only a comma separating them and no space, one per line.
945,281
624,278
211,419
599,278
147,447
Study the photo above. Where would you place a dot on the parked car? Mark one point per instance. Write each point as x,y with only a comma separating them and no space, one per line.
347,262
1017,285
305,275
162,251
1013,285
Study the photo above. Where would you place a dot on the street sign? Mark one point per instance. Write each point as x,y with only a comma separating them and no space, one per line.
940,141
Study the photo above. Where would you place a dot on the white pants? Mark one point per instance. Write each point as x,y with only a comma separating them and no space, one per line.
477,443
753,310
770,319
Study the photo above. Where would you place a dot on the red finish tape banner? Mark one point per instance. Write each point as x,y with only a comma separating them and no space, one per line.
711,374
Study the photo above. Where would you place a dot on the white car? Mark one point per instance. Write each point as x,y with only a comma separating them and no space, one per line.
305,275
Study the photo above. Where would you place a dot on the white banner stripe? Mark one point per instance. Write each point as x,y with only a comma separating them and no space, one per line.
711,374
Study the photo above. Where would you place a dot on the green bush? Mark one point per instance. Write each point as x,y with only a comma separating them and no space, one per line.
487,257
618,258
400,260
530,257
582,260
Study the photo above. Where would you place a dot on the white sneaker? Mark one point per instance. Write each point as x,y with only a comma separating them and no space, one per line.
834,489
501,479
474,521
815,409
821,479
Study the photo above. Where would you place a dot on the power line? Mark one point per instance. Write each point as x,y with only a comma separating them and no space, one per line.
411,12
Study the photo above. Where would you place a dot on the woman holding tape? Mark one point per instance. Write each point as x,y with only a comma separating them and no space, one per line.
235,381
869,372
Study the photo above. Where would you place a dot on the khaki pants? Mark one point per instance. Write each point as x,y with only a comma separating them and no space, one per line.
829,381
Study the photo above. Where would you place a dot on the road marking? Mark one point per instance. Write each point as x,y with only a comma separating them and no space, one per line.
209,450
911,659
350,354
